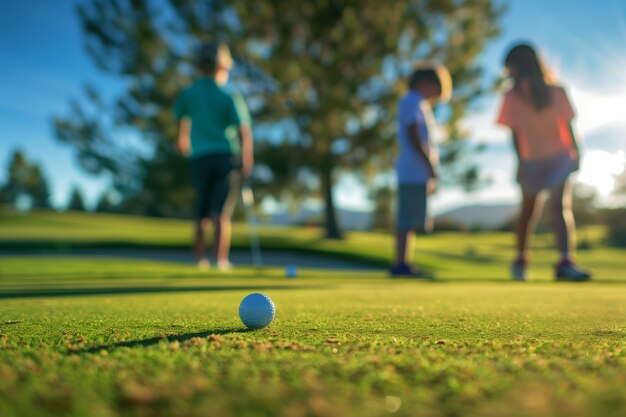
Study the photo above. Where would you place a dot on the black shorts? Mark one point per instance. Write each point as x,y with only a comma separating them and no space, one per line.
215,178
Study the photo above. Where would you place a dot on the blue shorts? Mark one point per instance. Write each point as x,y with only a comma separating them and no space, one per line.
412,208
535,176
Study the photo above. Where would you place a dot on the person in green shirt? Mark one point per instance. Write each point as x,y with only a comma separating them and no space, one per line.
215,134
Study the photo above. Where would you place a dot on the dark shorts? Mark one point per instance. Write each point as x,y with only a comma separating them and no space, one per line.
215,178
412,208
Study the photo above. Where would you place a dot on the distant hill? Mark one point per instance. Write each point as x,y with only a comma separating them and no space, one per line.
348,219
481,216
475,216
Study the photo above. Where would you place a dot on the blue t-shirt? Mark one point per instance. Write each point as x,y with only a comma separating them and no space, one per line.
411,167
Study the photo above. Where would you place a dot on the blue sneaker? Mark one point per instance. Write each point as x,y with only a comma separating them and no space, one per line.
519,270
566,270
407,271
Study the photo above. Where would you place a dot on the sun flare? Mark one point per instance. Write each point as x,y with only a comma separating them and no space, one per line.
599,169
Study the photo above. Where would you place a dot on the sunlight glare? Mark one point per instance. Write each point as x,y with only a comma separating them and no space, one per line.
597,110
599,169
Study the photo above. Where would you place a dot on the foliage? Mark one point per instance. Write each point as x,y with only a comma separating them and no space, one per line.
616,222
25,185
106,203
321,79
143,44
76,201
339,68
615,218
383,203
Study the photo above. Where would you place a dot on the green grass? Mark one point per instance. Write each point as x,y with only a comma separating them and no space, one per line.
100,336
454,256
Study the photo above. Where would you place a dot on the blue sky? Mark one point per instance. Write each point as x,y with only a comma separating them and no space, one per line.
43,65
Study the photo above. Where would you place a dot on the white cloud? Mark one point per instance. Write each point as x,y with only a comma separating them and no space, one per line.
596,110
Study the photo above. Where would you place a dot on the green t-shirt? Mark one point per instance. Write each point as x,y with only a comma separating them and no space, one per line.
215,114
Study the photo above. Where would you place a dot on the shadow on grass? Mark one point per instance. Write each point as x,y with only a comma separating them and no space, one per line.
51,276
70,292
273,256
158,339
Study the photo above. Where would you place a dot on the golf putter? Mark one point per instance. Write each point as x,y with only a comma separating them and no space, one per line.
247,197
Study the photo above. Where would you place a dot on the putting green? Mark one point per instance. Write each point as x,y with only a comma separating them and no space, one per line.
107,336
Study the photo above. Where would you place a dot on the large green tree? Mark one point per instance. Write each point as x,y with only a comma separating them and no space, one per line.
145,45
25,182
339,67
321,78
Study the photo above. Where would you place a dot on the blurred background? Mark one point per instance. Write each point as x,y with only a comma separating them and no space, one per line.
86,89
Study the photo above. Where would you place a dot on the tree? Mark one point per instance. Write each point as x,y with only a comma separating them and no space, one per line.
383,197
76,202
615,217
26,182
139,43
322,78
106,203
338,68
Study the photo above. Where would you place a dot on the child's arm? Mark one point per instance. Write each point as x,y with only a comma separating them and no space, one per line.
516,144
184,142
419,148
518,153
247,150
574,141
417,144
573,135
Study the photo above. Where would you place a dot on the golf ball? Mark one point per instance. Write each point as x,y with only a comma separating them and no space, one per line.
256,311
291,271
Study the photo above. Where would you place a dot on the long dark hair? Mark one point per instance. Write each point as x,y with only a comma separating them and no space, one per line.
526,65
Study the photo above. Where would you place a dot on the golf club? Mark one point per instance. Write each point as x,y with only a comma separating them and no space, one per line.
248,201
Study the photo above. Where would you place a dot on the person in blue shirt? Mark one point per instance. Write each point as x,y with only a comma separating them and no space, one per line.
417,163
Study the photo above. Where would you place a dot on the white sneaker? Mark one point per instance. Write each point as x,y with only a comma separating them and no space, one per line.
204,265
224,266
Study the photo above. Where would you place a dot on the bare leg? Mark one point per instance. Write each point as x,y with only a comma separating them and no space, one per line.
526,222
404,246
563,219
221,239
198,245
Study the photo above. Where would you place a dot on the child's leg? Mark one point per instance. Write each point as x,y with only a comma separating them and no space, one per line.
564,230
225,199
201,179
198,245
411,217
563,219
221,239
531,207
405,240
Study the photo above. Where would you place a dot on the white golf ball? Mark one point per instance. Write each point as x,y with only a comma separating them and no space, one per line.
256,311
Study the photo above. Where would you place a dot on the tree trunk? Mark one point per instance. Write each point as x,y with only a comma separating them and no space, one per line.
332,226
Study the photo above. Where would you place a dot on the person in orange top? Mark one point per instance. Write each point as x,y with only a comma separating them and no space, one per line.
540,115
